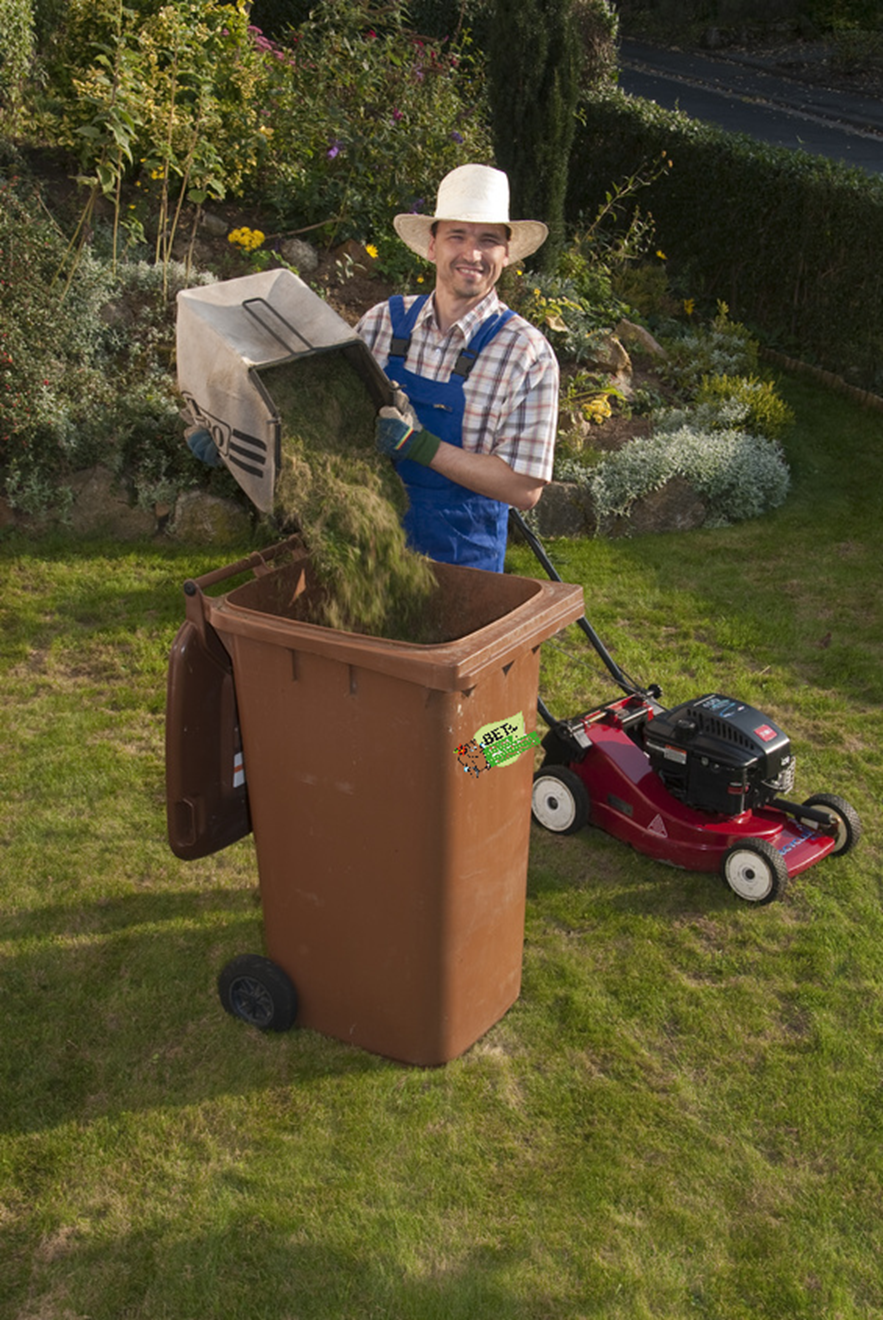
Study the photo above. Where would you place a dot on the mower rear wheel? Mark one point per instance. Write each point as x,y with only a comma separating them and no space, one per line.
755,871
844,817
560,800
257,990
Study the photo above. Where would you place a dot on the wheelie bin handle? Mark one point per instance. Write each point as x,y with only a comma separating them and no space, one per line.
259,562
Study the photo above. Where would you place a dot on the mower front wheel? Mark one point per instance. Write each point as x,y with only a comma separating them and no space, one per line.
844,818
560,801
755,871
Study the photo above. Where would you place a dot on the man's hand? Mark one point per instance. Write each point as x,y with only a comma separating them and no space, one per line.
203,447
398,434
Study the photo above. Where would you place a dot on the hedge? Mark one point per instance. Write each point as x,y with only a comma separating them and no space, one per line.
791,242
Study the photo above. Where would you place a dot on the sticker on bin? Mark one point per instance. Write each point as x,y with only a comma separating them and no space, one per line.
496,744
238,770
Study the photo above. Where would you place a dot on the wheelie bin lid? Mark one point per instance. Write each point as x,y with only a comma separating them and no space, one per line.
227,333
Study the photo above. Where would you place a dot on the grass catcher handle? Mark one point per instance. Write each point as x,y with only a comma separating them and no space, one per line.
277,325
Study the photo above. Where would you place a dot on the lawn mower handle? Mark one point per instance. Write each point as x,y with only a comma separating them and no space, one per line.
516,520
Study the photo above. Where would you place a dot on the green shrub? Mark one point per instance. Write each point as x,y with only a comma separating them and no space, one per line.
647,287
748,402
723,348
341,124
85,374
597,26
365,119
722,440
16,50
737,475
785,238
574,322
534,65
856,50
50,390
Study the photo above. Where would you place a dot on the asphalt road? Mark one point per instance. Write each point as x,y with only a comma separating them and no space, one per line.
744,97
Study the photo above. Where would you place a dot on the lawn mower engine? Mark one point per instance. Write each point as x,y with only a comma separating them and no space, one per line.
717,754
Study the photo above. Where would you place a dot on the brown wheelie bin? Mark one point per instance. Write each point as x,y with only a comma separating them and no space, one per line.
392,854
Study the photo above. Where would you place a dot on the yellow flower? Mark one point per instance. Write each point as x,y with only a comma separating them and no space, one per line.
246,238
596,410
689,306
661,255
372,251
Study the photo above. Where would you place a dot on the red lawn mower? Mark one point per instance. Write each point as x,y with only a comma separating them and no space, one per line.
703,785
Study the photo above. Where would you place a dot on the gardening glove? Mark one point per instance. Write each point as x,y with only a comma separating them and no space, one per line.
200,443
398,434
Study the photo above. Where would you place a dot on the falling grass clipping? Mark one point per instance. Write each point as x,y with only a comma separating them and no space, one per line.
346,501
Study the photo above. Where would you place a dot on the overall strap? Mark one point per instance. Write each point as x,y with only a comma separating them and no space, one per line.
403,324
483,336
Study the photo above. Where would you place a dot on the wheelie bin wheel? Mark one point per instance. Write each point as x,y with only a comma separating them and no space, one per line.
844,818
258,991
560,801
755,871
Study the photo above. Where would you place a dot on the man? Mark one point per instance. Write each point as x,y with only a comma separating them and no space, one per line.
474,429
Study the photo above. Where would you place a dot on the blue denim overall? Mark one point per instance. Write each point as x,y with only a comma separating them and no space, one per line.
445,521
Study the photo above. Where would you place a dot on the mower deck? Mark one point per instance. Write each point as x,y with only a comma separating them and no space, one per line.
625,797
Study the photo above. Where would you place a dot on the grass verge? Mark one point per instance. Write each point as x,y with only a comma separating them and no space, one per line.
680,1116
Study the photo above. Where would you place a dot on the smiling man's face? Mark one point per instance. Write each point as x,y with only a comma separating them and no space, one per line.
469,258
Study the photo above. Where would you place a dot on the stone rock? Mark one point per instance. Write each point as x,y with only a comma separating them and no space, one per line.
564,509
675,507
99,506
353,256
201,253
610,356
572,421
214,225
202,519
300,254
629,333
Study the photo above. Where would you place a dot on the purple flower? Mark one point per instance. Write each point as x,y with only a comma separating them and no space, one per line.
334,149
418,206
398,114
456,137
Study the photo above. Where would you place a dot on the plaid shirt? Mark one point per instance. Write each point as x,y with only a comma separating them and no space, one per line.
511,394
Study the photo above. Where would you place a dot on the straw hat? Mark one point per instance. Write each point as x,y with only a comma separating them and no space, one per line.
472,194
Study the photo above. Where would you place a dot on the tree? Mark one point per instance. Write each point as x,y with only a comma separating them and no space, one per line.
534,63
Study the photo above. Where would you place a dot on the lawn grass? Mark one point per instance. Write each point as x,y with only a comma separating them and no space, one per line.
681,1116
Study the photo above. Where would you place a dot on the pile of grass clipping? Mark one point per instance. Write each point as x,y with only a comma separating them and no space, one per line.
346,500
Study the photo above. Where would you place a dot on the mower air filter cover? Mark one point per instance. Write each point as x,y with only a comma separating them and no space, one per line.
716,754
